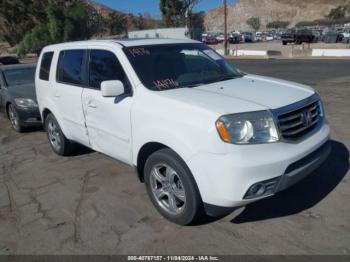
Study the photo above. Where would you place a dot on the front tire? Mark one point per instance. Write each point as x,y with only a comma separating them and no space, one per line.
14,119
59,143
172,188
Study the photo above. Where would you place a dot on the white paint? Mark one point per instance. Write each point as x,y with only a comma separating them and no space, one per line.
173,33
243,52
331,52
182,119
248,52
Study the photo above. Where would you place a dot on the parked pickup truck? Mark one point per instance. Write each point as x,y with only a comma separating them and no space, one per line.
203,136
297,37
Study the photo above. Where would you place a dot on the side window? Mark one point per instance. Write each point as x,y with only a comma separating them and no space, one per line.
45,66
104,66
70,67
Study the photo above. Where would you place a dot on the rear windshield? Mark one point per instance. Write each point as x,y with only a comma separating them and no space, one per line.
164,67
19,76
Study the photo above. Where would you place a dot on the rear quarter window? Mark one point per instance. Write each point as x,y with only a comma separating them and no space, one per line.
45,66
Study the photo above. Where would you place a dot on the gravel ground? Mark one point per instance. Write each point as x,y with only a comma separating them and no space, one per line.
91,204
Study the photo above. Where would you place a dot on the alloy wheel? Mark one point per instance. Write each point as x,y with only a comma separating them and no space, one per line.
167,189
54,135
13,117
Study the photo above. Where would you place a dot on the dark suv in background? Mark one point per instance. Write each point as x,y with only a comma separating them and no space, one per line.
298,36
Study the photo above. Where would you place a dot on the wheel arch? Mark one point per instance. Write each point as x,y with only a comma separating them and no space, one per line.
144,153
8,103
44,114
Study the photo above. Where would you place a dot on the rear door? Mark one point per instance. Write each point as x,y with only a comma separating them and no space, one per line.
108,118
70,80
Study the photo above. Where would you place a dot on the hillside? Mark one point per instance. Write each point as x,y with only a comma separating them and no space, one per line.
293,11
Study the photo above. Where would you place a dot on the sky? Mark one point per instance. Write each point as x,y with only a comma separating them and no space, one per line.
152,6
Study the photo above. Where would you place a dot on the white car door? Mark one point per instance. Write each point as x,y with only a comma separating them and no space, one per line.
67,93
108,118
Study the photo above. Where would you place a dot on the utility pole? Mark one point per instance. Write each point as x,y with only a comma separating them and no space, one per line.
225,25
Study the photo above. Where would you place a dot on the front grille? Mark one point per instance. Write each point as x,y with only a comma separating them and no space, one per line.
298,122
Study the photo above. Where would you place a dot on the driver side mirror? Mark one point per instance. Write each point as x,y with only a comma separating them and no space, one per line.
112,88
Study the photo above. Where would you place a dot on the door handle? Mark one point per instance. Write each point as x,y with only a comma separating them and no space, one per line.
57,95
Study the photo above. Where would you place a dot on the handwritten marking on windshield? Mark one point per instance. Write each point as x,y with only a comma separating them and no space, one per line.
166,83
139,51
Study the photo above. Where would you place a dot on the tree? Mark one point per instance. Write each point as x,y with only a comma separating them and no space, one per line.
278,24
138,22
117,23
18,17
35,40
173,12
76,22
254,22
188,6
197,20
337,13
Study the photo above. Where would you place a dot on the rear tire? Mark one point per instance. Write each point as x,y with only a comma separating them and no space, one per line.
14,119
59,143
284,43
172,188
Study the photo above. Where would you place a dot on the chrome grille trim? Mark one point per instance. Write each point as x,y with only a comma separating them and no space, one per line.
299,120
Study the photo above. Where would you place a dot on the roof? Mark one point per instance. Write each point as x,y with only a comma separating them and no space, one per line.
125,42
16,66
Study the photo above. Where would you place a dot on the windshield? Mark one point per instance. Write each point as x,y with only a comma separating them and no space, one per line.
19,76
164,67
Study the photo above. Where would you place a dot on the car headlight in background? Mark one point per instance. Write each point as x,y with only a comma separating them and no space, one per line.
248,128
25,103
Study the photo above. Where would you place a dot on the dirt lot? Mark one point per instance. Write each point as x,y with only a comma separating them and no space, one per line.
91,204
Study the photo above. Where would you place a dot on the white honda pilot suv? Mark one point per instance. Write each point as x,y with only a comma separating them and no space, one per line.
203,136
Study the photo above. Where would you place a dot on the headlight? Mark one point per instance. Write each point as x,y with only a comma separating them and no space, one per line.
248,128
25,103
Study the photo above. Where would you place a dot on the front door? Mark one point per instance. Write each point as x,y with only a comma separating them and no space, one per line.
107,118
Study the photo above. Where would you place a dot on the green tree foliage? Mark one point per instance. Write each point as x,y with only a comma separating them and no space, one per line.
138,22
337,13
173,12
76,22
278,24
197,20
35,41
254,23
18,17
324,22
117,23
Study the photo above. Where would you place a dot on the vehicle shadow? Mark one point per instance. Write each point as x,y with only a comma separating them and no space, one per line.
305,194
80,150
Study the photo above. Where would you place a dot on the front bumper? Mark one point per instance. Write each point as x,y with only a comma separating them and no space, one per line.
29,117
223,180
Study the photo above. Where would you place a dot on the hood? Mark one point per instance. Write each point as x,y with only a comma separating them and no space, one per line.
23,91
249,93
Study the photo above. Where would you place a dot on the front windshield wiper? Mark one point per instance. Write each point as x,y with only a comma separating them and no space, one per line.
225,78
193,85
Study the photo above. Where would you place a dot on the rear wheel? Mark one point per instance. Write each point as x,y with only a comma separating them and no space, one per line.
14,118
172,188
59,143
284,42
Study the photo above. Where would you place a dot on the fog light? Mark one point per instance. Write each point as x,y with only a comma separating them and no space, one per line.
263,188
257,189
